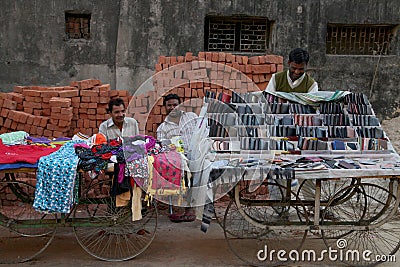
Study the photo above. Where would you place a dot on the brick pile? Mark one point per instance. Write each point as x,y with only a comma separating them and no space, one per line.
81,106
191,76
57,111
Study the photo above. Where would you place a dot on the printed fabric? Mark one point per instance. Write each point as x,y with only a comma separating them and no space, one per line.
167,172
55,176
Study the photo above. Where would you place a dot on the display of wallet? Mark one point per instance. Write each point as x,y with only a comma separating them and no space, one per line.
307,120
359,109
356,98
365,120
373,144
370,132
335,119
281,144
267,122
282,130
330,108
302,109
312,131
277,108
341,132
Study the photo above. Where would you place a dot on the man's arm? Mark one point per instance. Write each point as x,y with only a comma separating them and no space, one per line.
103,128
271,87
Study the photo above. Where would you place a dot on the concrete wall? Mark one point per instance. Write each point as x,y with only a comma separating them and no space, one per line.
128,36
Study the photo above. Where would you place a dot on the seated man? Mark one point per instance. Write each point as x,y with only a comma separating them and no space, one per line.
118,125
177,123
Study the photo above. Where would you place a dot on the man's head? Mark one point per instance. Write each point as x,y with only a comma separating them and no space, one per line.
171,101
116,108
298,60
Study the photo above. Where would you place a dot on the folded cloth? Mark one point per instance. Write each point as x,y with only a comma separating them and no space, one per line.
38,140
24,153
14,138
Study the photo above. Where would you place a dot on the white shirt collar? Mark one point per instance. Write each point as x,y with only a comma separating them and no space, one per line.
296,82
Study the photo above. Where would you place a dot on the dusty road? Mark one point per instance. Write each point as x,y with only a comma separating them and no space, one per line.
180,244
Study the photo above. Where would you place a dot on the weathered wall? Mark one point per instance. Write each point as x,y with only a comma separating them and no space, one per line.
128,36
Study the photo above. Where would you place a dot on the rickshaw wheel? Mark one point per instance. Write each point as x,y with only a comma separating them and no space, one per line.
370,207
24,232
247,225
108,232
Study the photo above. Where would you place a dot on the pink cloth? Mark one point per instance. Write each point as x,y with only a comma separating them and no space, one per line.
167,173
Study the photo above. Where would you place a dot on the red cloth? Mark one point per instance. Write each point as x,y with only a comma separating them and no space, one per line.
23,153
167,173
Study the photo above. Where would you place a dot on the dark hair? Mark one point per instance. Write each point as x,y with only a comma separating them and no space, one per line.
115,102
171,96
298,56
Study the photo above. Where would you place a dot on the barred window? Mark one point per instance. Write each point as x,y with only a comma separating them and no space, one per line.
359,39
237,34
77,25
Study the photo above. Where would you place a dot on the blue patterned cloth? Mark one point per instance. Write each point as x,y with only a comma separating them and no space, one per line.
55,176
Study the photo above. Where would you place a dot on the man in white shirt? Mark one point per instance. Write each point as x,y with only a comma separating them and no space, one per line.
118,125
295,79
177,123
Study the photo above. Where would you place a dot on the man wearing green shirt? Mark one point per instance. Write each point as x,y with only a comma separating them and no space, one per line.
295,79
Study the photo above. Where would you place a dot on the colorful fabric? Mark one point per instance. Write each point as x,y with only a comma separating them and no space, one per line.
24,153
167,172
55,176
138,170
14,138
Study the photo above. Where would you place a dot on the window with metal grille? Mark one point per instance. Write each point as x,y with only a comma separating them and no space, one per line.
237,34
77,25
359,39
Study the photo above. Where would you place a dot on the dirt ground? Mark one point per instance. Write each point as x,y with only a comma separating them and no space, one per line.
392,129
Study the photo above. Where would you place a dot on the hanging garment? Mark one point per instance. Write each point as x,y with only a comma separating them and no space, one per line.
56,179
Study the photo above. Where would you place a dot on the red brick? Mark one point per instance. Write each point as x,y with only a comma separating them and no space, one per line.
94,99
66,111
279,67
47,133
55,110
20,127
31,93
273,68
14,125
48,94
103,88
7,123
85,99
188,56
258,69
69,93
4,112
64,123
7,103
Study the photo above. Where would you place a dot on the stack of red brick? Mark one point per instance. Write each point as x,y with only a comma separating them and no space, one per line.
81,107
57,111
191,76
